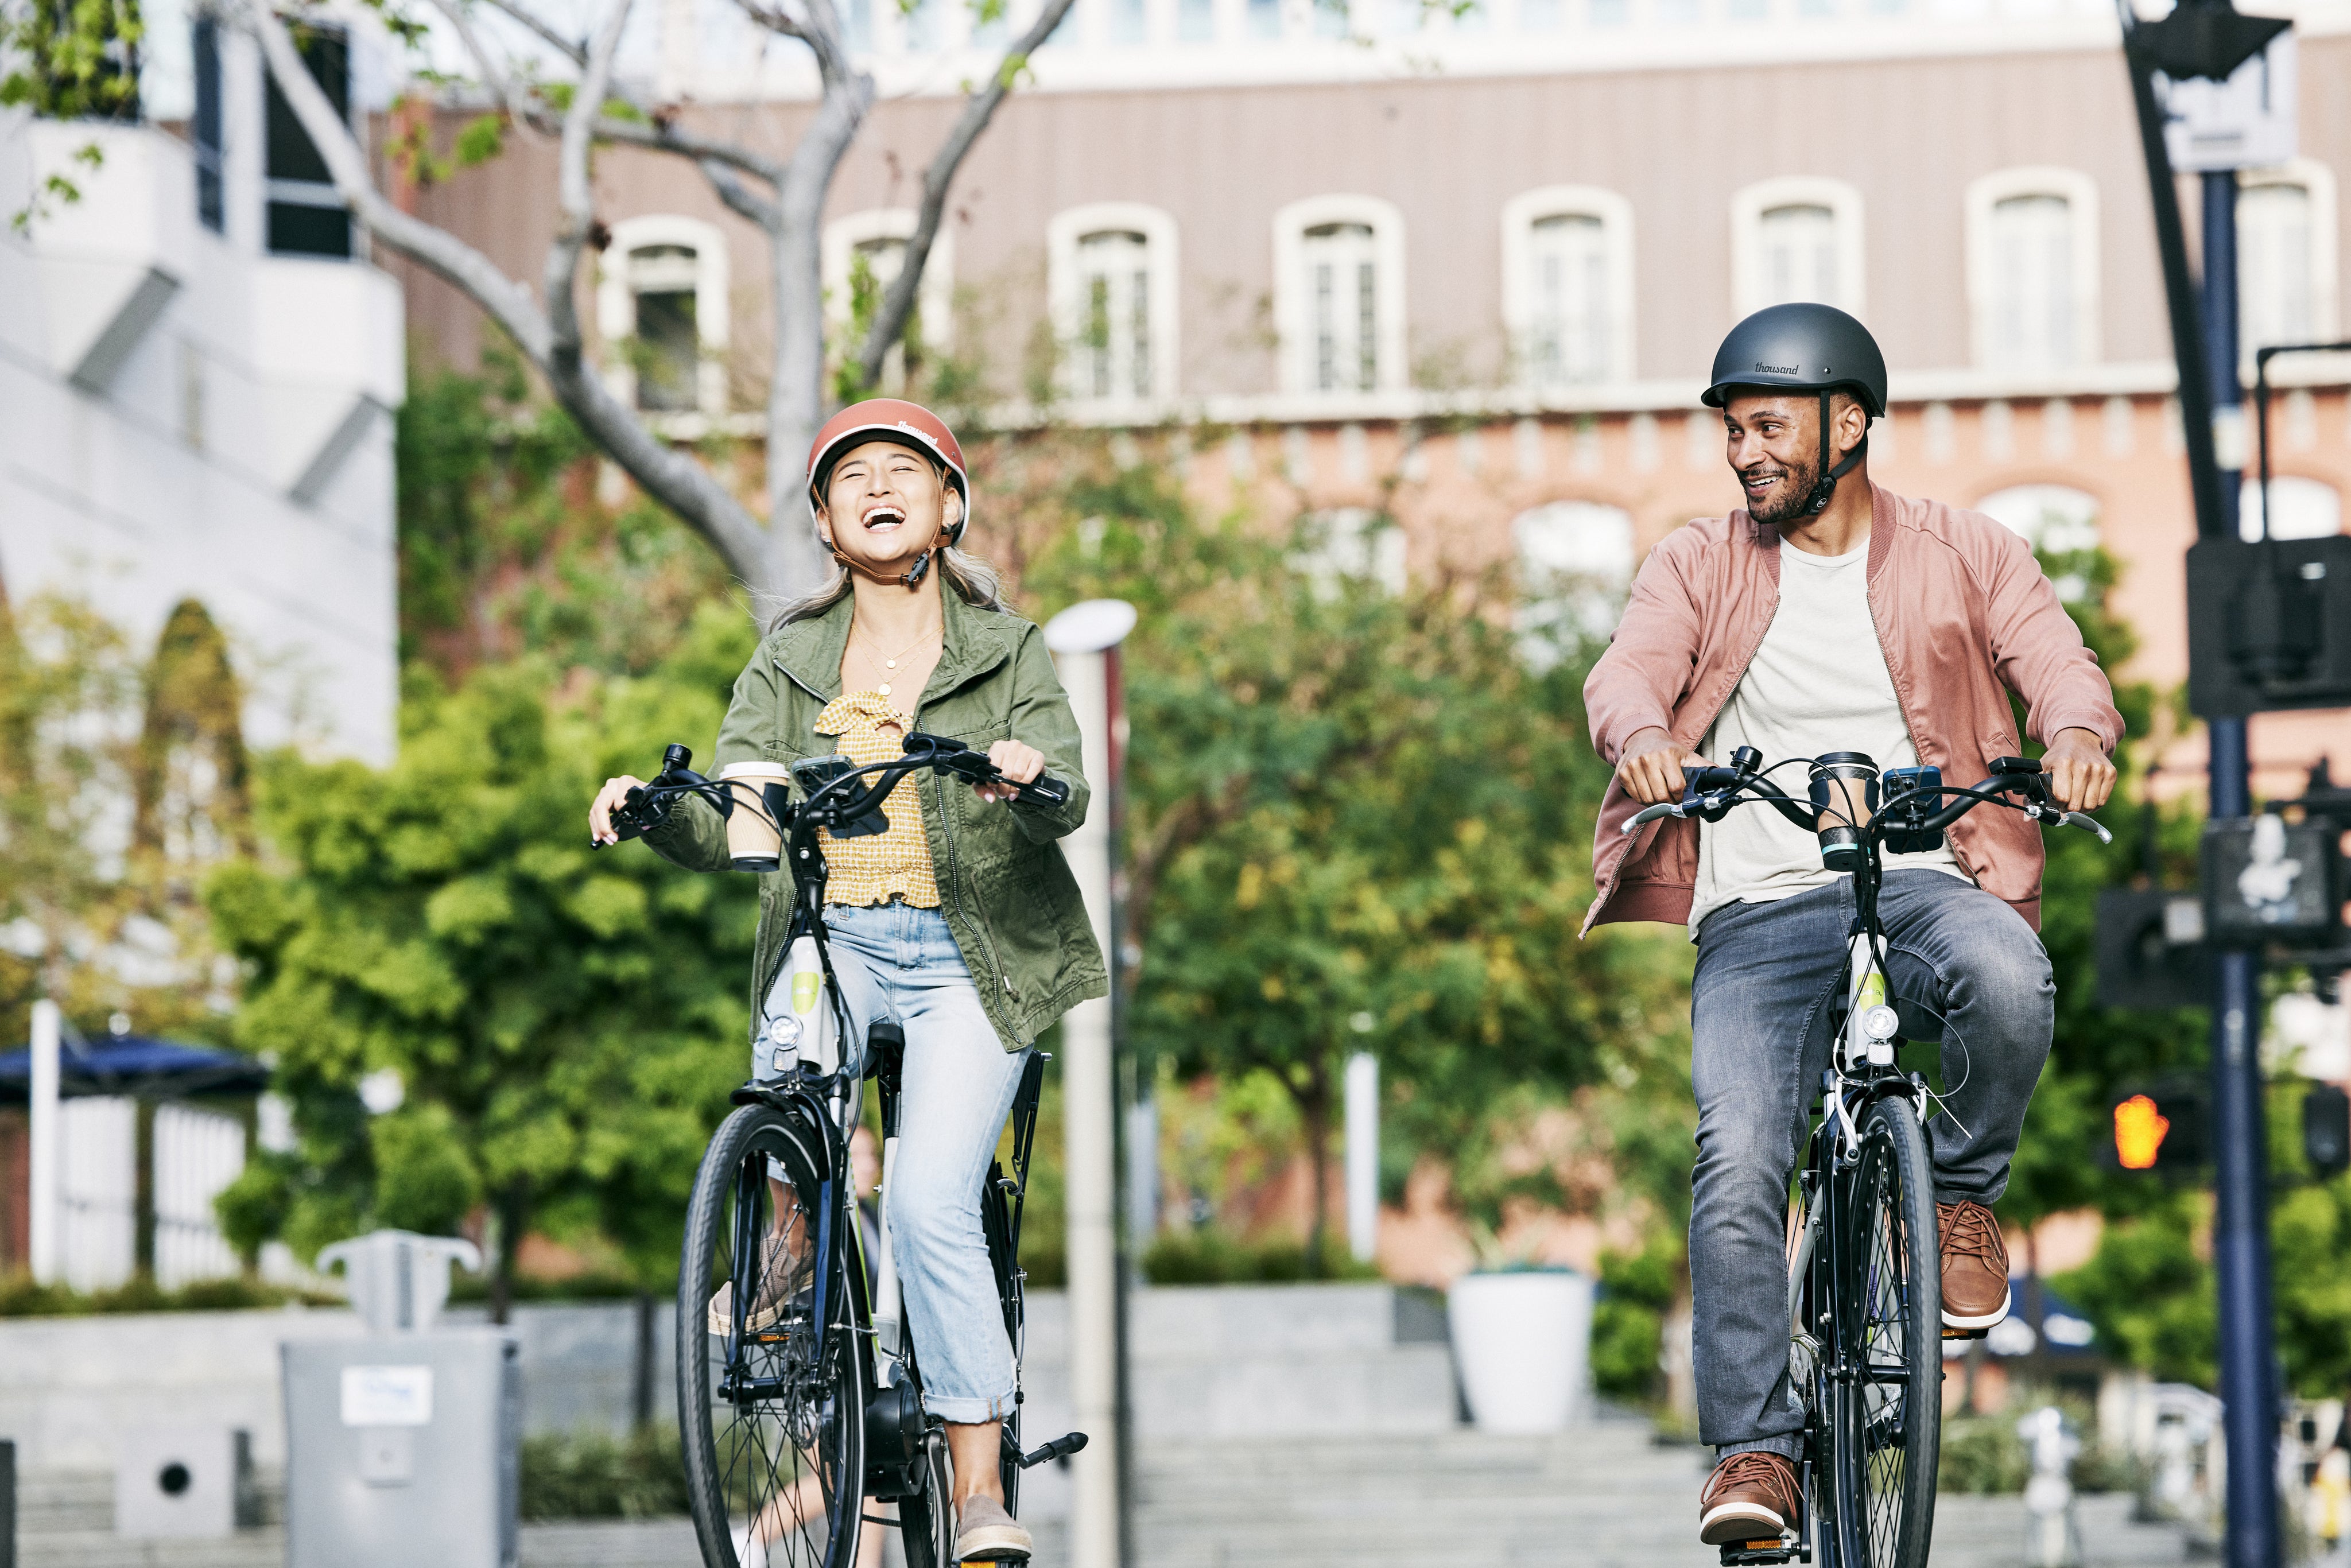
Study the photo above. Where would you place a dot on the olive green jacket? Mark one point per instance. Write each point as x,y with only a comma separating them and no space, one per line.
1004,884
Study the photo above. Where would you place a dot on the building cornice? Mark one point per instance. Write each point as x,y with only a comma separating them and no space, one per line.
1071,64
1913,388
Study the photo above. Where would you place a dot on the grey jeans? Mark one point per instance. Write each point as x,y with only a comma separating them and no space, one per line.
1759,1042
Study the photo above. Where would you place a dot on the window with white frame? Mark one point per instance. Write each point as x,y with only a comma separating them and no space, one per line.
1796,238
1353,544
1113,277
2033,269
662,311
1567,284
1339,295
1575,567
2286,254
862,253
2055,519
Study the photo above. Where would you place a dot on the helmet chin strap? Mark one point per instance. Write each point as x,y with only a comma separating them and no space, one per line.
911,578
1824,488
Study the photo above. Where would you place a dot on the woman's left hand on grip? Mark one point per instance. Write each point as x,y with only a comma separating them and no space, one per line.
1018,762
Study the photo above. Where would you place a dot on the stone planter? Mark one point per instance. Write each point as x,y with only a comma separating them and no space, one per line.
1523,1341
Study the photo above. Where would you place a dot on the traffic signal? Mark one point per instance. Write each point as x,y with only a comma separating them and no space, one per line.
2326,1129
2150,950
2159,1128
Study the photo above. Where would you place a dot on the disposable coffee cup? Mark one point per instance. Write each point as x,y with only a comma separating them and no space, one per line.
753,841
1845,794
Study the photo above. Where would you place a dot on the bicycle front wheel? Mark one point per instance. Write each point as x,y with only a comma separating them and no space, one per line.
769,1385
1886,1405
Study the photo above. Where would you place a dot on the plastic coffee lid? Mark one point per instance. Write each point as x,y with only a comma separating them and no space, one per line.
755,770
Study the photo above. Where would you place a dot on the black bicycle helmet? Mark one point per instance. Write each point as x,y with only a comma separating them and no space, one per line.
1804,348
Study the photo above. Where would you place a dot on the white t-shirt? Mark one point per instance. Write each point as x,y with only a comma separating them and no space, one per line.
1818,684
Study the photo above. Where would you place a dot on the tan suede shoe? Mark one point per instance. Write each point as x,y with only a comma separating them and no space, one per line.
986,1534
1975,1269
1751,1496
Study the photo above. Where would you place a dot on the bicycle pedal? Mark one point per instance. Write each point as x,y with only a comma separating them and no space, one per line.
1949,1333
1781,1549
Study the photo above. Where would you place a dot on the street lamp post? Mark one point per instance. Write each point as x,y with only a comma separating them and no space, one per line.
1084,639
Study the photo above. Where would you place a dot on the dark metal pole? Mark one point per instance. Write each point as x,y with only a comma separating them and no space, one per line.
2196,379
2240,1225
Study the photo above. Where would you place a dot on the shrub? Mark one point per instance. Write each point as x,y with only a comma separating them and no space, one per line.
594,1475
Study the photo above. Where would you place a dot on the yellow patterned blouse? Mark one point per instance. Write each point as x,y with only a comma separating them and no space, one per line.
881,866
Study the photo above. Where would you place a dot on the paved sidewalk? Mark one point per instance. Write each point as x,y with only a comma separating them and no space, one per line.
1602,1497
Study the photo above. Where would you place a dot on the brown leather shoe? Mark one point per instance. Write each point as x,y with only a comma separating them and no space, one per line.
1752,1497
1975,1269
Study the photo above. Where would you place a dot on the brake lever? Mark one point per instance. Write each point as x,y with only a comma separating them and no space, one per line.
2083,819
1657,812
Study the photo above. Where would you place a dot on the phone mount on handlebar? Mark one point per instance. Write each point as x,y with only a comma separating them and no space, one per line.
1911,795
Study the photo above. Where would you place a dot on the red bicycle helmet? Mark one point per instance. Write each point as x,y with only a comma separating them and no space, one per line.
891,419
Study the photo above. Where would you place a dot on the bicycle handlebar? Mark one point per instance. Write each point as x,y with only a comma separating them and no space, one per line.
646,806
1709,793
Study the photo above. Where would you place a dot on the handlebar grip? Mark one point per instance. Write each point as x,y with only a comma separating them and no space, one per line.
1044,790
1653,813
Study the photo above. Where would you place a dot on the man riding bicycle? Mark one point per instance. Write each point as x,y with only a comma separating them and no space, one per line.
1831,615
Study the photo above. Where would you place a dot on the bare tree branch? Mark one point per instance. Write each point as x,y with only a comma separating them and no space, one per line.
495,77
571,49
658,136
460,265
678,482
740,197
898,304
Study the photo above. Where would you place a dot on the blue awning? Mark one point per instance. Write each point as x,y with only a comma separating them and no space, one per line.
138,1067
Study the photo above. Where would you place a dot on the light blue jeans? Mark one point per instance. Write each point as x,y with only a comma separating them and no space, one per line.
900,964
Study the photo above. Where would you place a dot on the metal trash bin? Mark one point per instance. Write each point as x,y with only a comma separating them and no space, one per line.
403,1450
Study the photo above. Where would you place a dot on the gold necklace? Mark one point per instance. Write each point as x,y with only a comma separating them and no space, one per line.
892,663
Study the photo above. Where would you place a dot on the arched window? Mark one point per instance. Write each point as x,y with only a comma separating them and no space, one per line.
1114,282
2306,508
2033,269
861,255
2057,520
2286,254
1575,567
662,311
1567,284
1796,238
1339,295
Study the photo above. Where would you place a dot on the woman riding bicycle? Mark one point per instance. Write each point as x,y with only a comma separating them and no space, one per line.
962,923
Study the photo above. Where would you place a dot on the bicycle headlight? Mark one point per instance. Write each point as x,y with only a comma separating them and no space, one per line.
1880,1022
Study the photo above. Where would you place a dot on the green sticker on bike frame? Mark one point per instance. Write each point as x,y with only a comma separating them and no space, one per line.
804,989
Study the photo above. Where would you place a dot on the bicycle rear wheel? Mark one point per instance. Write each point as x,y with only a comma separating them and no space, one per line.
1886,1402
769,1385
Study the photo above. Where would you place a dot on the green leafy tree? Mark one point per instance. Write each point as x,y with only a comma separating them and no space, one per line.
92,736
505,544
1356,819
565,1024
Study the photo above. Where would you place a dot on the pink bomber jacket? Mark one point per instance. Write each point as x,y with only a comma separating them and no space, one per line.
1965,615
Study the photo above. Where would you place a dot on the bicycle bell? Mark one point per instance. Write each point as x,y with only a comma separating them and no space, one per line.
1845,793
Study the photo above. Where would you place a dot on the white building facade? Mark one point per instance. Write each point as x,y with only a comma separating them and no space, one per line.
196,382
